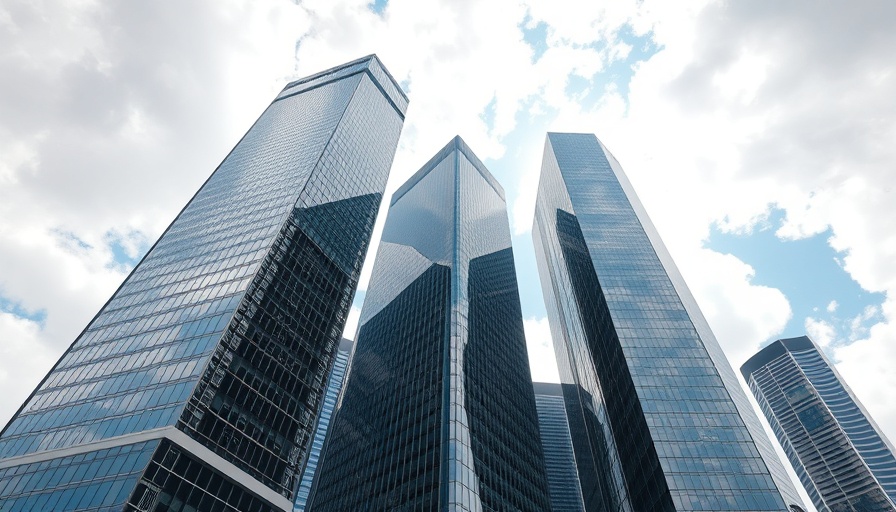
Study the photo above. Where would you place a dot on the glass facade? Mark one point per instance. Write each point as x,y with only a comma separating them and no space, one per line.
334,387
438,411
657,417
559,457
839,453
224,334
96,480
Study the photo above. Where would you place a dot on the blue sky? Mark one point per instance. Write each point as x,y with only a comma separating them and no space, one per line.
809,272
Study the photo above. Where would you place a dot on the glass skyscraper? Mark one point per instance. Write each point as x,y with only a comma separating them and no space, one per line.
658,419
559,458
438,411
197,386
334,387
839,453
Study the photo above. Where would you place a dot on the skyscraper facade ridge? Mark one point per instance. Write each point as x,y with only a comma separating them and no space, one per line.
218,344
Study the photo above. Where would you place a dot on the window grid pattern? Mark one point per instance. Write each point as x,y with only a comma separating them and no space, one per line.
176,482
866,437
679,438
504,434
98,481
334,387
257,401
559,458
138,361
787,378
230,323
385,452
459,319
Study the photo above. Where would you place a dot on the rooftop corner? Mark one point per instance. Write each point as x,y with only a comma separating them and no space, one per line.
370,64
456,144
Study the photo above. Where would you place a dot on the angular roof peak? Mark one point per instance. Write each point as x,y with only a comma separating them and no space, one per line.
458,145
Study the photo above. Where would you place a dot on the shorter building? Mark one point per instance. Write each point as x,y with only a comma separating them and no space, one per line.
564,489
839,453
334,387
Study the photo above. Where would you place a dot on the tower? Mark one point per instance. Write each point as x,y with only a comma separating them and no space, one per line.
559,457
198,384
438,412
334,387
840,455
658,419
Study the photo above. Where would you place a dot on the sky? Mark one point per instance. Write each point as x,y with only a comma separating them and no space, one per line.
759,136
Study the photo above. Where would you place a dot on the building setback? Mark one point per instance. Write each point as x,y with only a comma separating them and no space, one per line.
840,455
438,412
559,458
658,419
198,384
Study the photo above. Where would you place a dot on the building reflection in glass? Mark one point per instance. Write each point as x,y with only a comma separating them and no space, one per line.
438,411
658,419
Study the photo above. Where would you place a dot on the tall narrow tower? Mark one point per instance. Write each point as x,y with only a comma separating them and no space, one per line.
198,384
658,418
842,458
438,412
334,389
559,457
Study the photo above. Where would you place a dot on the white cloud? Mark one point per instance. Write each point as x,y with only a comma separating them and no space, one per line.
116,114
832,306
742,315
821,332
857,326
542,362
25,361
866,366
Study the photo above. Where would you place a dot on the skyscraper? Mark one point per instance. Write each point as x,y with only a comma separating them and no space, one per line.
334,387
658,419
197,385
839,453
559,458
438,411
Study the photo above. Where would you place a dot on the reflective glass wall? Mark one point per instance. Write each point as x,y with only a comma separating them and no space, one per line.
842,458
334,388
559,457
220,341
658,419
438,411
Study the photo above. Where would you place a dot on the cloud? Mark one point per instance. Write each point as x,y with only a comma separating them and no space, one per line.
113,116
821,332
742,315
806,127
832,306
26,361
543,363
866,366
